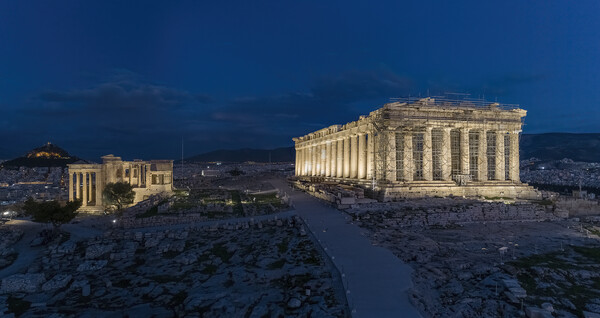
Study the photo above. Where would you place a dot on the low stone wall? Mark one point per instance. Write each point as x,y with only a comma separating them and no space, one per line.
408,214
579,207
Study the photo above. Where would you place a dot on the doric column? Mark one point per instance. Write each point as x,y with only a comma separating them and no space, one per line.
370,155
500,164
320,160
84,189
464,151
514,156
99,188
313,160
347,157
333,158
328,158
340,158
303,161
297,164
353,157
408,157
482,168
427,155
362,156
77,185
390,155
446,155
70,185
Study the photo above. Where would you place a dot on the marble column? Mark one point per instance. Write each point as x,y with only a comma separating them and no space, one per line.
77,185
340,158
323,157
313,160
446,155
99,188
347,157
84,189
70,185
464,151
333,158
514,157
328,158
390,172
427,155
362,156
500,164
297,165
370,155
353,157
408,157
482,167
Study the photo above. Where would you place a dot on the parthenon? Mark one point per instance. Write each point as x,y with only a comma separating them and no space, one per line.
87,181
422,147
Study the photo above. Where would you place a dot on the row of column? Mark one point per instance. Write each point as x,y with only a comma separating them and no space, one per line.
407,171
352,156
85,186
348,156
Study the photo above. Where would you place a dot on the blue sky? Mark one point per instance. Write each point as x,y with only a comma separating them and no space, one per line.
133,78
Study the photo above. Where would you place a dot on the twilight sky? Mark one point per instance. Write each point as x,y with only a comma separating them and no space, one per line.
134,77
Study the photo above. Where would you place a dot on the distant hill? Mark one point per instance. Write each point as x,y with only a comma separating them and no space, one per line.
286,154
48,155
556,146
550,146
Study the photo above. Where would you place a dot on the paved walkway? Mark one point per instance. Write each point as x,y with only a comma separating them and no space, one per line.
376,279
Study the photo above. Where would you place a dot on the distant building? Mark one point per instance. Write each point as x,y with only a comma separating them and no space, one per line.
211,173
425,147
87,181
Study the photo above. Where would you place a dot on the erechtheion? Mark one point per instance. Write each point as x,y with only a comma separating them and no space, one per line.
87,181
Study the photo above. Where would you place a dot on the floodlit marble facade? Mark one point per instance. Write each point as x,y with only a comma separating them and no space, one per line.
423,147
87,181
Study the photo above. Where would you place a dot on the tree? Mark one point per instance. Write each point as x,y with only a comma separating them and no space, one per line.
52,212
119,194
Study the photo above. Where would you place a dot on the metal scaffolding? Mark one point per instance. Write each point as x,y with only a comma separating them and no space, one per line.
491,155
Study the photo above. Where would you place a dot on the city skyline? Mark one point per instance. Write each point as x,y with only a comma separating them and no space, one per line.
108,77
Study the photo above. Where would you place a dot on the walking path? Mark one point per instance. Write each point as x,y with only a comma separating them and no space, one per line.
375,279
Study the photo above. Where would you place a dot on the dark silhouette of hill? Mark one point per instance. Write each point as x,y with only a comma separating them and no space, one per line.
549,146
285,154
48,155
556,146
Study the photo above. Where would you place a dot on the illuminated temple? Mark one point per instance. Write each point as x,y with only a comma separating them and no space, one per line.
423,147
87,181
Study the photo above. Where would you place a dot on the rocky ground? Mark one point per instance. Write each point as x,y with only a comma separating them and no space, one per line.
497,269
8,236
261,269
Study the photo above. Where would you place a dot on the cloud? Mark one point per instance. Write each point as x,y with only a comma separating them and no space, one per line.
118,96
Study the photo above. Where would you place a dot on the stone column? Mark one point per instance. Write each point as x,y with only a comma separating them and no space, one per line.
333,158
77,185
370,155
303,161
323,161
446,155
500,172
297,165
70,185
464,151
340,158
514,157
482,168
319,164
347,157
427,155
84,189
99,188
390,156
408,157
313,160
353,157
362,156
328,158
